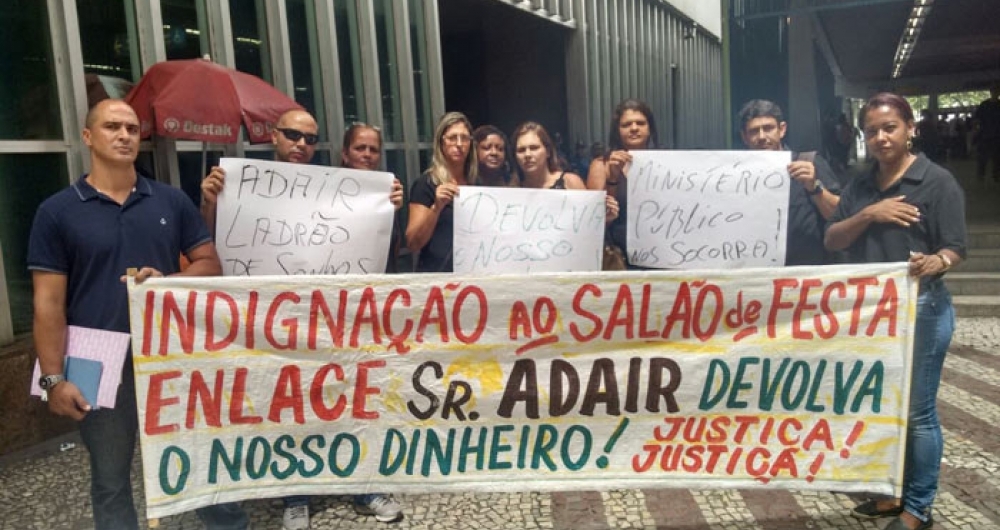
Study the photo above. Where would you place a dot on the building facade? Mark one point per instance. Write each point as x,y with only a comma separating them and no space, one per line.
397,64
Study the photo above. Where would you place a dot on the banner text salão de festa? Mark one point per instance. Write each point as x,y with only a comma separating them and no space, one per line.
270,386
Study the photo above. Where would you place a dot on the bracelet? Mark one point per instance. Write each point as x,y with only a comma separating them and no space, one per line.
944,259
610,183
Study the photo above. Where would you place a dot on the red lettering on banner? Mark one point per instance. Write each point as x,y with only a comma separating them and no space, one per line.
234,321
185,326
236,416
291,325
211,402
803,305
366,314
147,324
156,402
481,316
396,340
680,312
316,393
433,313
886,308
251,320
317,307
520,321
622,313
859,300
833,327
780,285
287,394
574,330
362,391
645,332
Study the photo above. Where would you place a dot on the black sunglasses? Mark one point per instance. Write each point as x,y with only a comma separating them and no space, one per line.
295,135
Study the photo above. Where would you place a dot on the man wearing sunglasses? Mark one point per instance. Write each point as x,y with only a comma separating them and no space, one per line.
295,137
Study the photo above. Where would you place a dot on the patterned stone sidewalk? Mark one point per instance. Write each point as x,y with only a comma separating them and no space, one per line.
46,488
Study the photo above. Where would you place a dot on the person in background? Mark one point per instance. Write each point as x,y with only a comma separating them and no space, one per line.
907,208
494,157
987,135
453,164
812,194
633,127
83,240
295,137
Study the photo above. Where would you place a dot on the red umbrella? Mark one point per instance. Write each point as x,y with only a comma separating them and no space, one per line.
197,99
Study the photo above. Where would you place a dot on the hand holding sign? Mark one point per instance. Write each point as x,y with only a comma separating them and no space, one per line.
708,209
282,218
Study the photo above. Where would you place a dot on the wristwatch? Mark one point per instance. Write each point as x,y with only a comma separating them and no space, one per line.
817,189
48,382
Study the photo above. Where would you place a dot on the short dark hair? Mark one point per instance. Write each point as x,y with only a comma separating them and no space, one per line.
759,108
888,99
614,135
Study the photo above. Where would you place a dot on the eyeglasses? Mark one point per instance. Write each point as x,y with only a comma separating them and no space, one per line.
294,135
457,139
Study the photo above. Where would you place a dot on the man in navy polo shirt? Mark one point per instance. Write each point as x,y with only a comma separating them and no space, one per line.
82,241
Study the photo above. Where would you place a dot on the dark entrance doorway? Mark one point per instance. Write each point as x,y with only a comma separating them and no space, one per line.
502,65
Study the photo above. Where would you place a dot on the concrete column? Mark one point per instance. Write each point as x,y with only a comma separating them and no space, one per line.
803,113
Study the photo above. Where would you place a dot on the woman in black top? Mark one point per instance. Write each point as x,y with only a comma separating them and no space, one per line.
493,153
907,208
537,162
453,164
633,127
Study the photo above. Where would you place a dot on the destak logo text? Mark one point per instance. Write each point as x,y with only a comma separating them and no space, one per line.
173,125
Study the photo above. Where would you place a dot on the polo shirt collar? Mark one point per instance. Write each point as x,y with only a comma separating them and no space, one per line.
87,192
914,173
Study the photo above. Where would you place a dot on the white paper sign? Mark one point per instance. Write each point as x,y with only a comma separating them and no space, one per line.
708,209
511,230
281,218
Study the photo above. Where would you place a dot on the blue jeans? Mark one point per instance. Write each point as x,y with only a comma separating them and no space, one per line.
109,435
924,443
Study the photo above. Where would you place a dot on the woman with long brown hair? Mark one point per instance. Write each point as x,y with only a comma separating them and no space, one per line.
453,164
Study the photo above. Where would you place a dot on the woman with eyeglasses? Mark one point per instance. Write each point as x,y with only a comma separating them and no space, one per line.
907,208
633,127
453,164
493,153
362,149
540,166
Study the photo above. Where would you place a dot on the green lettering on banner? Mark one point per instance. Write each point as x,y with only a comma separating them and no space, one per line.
479,449
347,470
307,451
496,448
545,441
280,452
185,469
433,450
588,441
232,465
265,460
385,467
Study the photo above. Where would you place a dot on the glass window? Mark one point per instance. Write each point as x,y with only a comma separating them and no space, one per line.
251,51
348,46
29,104
385,38
308,84
185,29
110,50
25,181
421,78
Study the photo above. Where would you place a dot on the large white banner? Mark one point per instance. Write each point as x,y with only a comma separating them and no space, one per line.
282,218
708,209
261,387
511,230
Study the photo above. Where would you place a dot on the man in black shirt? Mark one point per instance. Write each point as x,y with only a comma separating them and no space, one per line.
812,197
